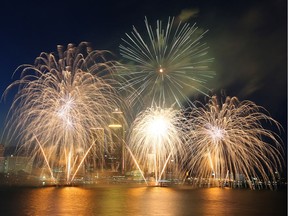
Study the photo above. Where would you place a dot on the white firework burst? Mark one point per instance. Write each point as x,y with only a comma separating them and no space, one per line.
167,65
229,140
60,99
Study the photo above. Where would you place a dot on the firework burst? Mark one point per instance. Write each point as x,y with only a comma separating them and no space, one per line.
168,66
60,99
157,138
228,140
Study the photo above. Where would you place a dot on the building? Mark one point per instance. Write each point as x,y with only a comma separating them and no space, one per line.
2,158
14,164
2,150
117,147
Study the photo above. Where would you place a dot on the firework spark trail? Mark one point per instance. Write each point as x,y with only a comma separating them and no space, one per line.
157,132
232,136
136,163
60,98
167,67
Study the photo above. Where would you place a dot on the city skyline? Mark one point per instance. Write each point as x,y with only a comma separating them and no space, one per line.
84,151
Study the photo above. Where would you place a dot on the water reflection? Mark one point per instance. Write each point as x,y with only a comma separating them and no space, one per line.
37,201
120,200
227,201
58,201
71,201
217,201
154,201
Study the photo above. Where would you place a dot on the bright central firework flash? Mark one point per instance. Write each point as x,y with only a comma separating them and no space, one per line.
229,143
156,138
168,65
60,100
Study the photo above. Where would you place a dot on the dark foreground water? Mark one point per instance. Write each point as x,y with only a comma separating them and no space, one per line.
129,200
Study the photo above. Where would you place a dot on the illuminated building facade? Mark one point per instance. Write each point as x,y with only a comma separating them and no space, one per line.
14,164
117,150
108,155
2,158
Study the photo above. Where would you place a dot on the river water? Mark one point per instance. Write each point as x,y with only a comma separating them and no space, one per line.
115,200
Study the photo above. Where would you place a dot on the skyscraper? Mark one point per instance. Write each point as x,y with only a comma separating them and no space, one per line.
2,150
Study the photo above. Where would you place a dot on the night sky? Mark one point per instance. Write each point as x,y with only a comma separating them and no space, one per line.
247,39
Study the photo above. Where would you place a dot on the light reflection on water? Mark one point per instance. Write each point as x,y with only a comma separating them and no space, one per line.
122,200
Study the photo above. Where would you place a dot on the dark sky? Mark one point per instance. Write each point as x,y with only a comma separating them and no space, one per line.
247,39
